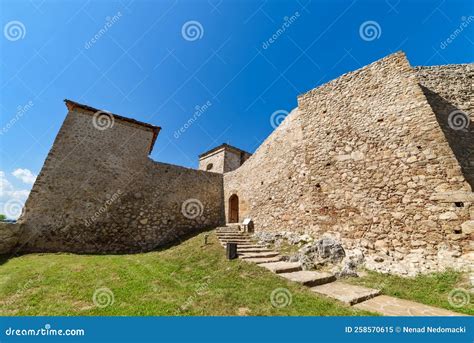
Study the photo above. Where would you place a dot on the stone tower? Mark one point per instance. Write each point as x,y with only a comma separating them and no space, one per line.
222,159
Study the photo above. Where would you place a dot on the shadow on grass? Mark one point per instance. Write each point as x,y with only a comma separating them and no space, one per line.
174,240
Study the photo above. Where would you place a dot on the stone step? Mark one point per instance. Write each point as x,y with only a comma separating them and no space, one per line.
232,233
232,236
246,245
231,227
238,243
258,254
390,306
349,294
309,278
282,267
238,246
246,250
259,260
235,240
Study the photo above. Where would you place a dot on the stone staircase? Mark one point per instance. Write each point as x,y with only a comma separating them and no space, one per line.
322,283
246,247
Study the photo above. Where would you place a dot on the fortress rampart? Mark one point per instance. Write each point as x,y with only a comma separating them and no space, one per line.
381,158
98,191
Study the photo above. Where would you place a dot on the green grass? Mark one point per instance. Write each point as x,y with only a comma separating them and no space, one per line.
185,279
286,248
430,289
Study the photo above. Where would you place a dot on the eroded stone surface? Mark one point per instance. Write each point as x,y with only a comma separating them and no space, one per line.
282,267
9,234
390,306
258,254
309,278
349,294
249,250
259,260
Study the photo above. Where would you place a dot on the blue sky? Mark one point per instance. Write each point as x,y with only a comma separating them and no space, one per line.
158,61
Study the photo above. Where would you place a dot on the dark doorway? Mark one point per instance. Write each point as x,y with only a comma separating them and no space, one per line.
234,209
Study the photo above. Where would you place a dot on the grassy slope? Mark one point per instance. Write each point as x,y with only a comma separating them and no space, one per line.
432,289
156,283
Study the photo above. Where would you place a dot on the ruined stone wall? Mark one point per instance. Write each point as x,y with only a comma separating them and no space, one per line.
364,159
98,192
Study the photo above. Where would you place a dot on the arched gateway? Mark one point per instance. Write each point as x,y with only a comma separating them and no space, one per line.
234,209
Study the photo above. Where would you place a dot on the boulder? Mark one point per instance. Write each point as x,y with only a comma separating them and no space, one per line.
319,253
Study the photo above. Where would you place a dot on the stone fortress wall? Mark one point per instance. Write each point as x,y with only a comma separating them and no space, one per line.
99,192
364,158
272,184
370,158
449,89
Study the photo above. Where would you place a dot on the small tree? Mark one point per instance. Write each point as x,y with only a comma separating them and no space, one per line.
2,217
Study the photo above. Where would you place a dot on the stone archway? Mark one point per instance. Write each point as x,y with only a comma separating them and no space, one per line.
233,209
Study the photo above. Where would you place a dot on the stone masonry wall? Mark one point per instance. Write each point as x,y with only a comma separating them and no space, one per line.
371,158
364,159
98,192
217,160
232,160
450,92
9,234
378,160
223,160
271,183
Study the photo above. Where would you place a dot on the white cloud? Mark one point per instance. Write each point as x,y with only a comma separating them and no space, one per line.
12,199
20,194
25,175
5,185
